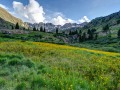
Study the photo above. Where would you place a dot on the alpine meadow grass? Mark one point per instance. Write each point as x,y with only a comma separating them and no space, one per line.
44,66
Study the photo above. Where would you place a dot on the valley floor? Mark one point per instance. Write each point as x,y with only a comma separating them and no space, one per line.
43,66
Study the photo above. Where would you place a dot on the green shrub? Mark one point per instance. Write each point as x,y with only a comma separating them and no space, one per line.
109,49
14,62
2,61
14,56
4,73
37,83
21,86
43,71
41,66
2,82
28,63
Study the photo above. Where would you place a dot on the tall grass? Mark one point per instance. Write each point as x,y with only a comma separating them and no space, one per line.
43,66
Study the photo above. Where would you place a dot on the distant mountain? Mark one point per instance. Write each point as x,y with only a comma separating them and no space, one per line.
48,26
51,27
111,20
5,16
7,20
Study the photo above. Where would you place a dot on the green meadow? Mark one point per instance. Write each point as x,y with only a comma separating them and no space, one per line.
43,66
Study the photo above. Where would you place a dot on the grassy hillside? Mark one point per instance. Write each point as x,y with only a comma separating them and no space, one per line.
36,36
105,44
102,43
35,66
8,17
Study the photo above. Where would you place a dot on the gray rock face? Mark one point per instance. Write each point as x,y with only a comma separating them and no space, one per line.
51,27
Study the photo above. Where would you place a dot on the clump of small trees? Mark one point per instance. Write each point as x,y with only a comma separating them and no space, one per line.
106,29
41,29
84,36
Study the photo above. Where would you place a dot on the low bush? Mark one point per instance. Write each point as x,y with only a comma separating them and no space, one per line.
37,82
14,62
2,61
28,63
21,86
2,82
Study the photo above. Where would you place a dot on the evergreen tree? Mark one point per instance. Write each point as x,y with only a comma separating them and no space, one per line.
80,32
84,36
96,36
12,27
118,21
76,32
23,28
90,34
41,29
56,30
80,38
70,33
63,32
89,31
44,29
34,29
106,28
17,26
119,33
93,30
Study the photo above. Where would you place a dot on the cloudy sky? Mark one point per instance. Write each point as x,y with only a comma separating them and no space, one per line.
60,12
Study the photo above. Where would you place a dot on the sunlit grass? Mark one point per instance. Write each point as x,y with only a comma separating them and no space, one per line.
36,65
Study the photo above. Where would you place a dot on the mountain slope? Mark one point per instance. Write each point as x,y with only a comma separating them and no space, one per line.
44,66
51,27
8,17
113,20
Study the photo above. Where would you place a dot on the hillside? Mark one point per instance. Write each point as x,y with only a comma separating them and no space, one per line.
35,65
5,24
9,18
113,20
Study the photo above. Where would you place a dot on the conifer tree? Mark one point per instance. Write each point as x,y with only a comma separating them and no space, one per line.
41,29
34,29
44,29
56,30
119,33
17,26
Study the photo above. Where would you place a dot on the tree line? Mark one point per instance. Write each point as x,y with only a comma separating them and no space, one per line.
107,30
41,29
91,34
17,26
84,36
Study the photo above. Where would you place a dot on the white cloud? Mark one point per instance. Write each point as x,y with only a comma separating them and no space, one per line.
32,12
59,20
84,19
3,6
